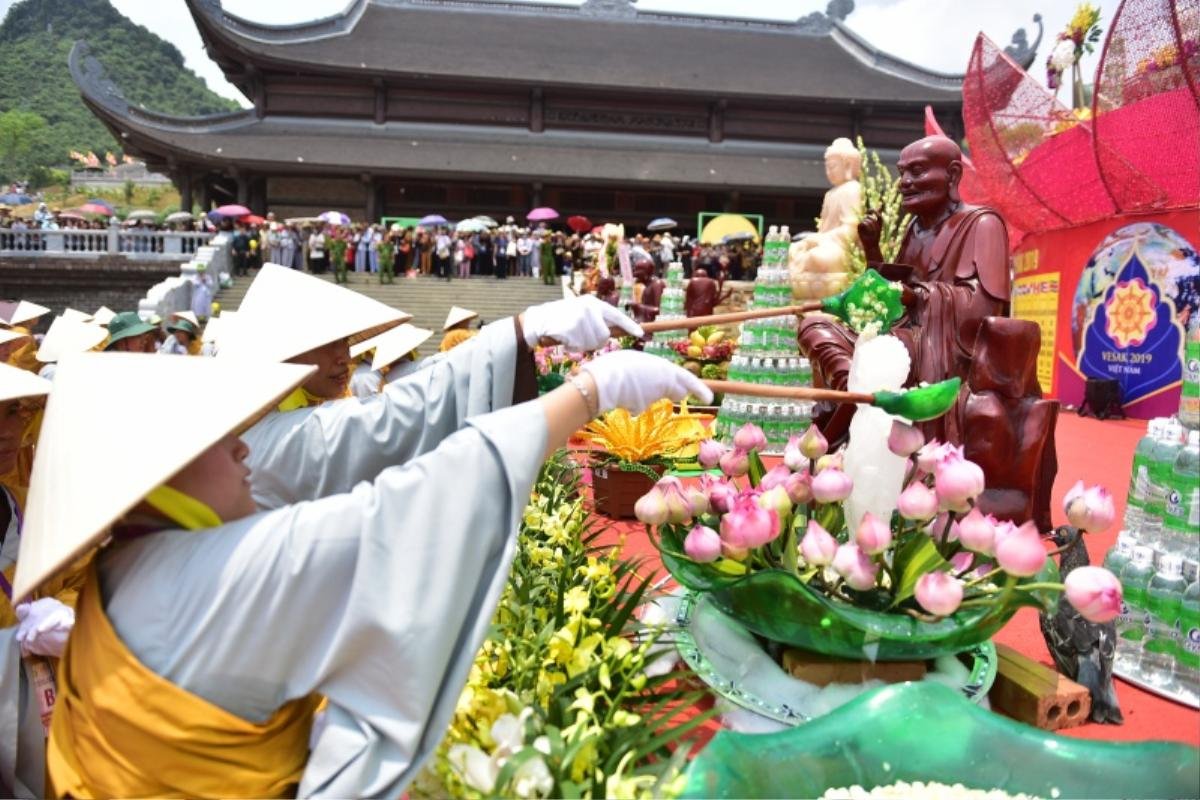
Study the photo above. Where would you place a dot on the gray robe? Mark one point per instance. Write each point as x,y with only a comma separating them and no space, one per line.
377,598
317,451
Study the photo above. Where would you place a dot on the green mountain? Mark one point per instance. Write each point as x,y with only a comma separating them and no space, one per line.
36,38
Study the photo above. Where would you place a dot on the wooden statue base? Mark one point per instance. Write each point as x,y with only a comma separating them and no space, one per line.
1031,692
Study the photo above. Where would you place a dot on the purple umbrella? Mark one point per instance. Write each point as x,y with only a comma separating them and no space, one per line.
541,214
334,218
232,211
432,219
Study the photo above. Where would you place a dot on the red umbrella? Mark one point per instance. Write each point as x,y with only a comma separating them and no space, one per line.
252,219
233,211
599,229
579,224
542,214
95,208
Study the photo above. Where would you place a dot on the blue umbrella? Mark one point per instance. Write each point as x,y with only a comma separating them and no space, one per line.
662,224
15,199
432,219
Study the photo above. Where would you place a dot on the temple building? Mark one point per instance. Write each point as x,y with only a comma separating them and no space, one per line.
464,107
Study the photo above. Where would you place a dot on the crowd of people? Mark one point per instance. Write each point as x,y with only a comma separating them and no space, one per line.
288,611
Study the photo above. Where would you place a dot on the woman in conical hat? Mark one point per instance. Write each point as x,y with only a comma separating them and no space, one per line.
393,355
208,629
313,448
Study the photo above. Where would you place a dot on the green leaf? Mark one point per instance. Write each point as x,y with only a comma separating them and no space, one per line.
915,557
757,470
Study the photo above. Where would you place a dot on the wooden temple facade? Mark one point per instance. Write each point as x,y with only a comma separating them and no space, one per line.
464,107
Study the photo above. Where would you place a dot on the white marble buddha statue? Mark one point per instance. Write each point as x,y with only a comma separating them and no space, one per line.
819,263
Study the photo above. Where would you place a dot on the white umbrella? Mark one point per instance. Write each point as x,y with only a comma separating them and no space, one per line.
486,220
180,216
470,226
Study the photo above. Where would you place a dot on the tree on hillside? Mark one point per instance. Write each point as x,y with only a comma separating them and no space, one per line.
21,133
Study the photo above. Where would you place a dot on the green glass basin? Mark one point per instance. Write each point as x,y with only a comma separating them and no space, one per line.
927,732
777,605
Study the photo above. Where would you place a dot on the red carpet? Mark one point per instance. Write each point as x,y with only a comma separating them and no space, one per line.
1094,452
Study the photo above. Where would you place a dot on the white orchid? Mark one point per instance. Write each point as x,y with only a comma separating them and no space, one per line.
1063,55
480,771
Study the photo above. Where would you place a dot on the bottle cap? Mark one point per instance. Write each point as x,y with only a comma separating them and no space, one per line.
1170,565
1143,556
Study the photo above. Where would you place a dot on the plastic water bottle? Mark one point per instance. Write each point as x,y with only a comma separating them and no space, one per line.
1162,464
1181,505
1164,597
1119,555
1139,477
1132,622
1189,400
1188,662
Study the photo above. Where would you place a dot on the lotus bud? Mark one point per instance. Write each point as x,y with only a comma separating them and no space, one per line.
679,508
1003,530
749,525
775,476
812,444
749,437
1095,592
831,486
651,508
777,500
1089,509
799,487
905,439
930,454
702,544
962,561
855,567
830,461
939,593
697,499
873,535
735,463
710,453
957,481
721,493
1021,553
917,502
817,546
793,458
734,553
976,533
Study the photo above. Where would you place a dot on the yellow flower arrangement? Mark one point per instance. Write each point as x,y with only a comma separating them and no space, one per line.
658,432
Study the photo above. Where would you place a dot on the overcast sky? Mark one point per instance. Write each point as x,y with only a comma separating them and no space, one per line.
943,43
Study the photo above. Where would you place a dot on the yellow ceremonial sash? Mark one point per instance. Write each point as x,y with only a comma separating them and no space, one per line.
302,398
120,730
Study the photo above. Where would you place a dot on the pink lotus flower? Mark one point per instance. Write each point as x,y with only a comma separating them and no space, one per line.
793,458
702,544
941,527
933,452
873,535
1003,530
775,476
939,593
1095,592
961,561
812,444
735,463
651,508
697,499
855,567
721,493
799,487
1021,552
905,439
1089,509
748,524
776,500
710,453
917,502
831,486
977,533
829,461
817,546
957,481
749,437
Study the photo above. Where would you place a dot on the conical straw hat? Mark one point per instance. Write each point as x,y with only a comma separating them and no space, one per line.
286,313
17,383
189,316
390,346
75,315
68,336
103,315
458,314
88,471
16,312
8,334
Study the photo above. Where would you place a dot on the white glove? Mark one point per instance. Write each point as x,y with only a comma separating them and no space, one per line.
632,380
580,323
44,626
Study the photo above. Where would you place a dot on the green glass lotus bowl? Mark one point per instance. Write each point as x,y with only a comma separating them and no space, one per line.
778,606
926,732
